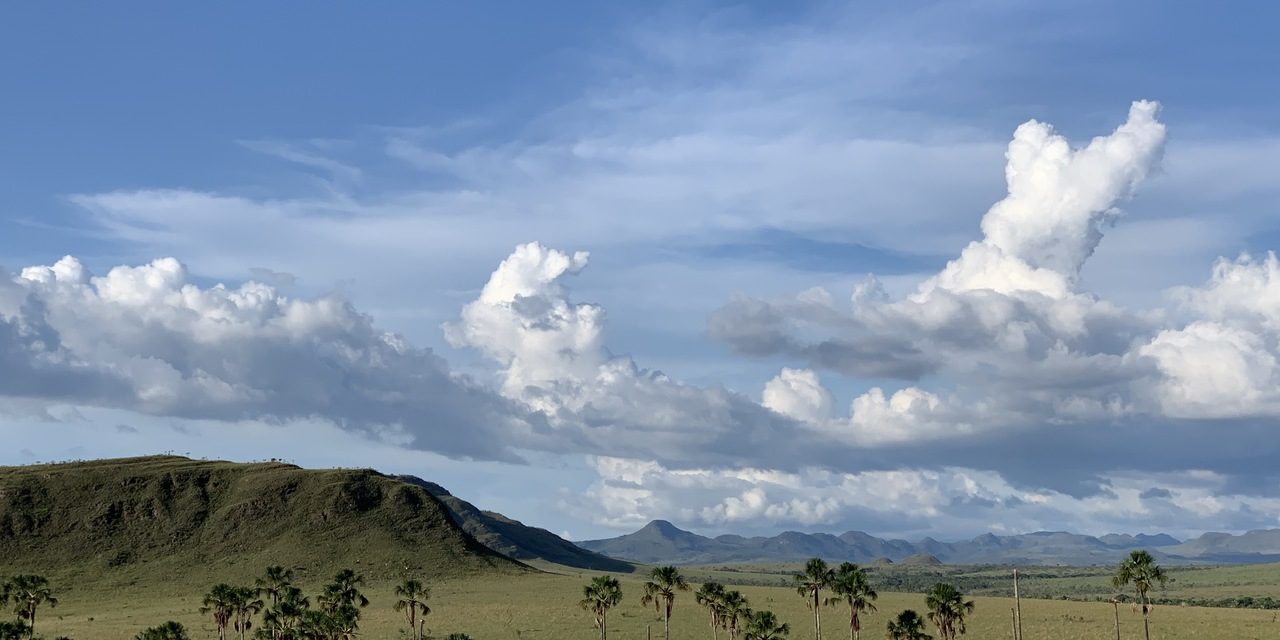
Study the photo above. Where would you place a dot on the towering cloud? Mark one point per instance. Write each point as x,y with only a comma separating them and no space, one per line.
1037,238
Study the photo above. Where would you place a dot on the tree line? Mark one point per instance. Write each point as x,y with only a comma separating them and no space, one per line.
846,586
274,608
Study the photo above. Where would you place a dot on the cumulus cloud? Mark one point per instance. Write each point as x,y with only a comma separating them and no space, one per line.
905,415
147,339
1225,361
1005,314
1037,238
907,502
553,359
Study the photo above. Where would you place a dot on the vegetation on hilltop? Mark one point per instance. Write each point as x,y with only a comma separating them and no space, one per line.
172,516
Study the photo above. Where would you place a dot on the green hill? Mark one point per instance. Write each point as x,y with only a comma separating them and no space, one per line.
140,518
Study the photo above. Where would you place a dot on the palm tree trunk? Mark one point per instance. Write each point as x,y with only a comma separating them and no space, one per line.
1146,626
853,624
31,632
666,624
1116,606
817,619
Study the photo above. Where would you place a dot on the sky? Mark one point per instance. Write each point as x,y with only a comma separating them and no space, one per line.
917,269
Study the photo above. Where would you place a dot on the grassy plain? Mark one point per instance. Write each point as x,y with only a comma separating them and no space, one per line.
543,606
1074,583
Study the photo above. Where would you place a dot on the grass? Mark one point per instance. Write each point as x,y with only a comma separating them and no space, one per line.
1073,583
129,544
544,606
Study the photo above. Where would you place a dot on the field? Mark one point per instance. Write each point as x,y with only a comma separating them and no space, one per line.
1188,585
544,606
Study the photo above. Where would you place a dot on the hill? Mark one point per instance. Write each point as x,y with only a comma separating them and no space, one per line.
515,539
174,517
660,541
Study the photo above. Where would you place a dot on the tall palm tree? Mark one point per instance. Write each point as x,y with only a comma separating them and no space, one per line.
1141,571
907,626
273,582
816,577
660,591
220,603
244,606
602,594
947,609
413,602
711,596
28,592
851,587
763,625
734,612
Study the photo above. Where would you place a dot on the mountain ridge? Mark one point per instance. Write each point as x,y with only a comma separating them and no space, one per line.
650,545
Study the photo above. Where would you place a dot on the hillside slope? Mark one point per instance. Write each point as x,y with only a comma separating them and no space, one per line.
515,539
181,517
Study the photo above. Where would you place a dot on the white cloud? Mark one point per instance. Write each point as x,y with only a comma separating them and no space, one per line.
145,338
906,502
908,414
799,394
1038,237
1005,314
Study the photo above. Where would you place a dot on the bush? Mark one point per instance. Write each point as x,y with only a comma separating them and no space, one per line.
458,636
16,630
168,631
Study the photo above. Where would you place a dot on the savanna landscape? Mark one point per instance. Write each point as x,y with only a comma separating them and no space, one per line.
285,553
639,320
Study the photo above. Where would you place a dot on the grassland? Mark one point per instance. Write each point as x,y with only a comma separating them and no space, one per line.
1188,585
544,606
128,544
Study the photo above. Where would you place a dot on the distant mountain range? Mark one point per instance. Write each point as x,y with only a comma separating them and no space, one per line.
660,541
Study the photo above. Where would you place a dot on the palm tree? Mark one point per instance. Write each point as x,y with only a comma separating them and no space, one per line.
602,594
244,606
285,616
1141,571
907,626
660,591
763,625
413,601
711,596
345,589
220,602
851,587
947,609
28,592
816,577
168,631
274,582
734,611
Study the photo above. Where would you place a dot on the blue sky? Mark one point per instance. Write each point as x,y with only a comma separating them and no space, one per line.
724,164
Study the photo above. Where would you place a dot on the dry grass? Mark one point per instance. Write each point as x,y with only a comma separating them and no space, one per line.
544,606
